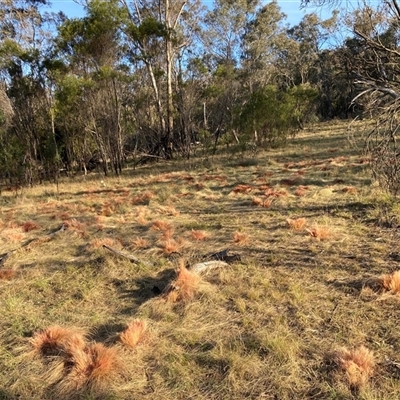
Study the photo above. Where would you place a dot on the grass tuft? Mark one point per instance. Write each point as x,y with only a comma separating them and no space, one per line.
242,189
133,333
30,226
140,243
159,225
358,365
296,224
7,274
94,368
391,282
170,245
320,232
198,235
57,340
184,287
240,238
301,190
98,243
143,198
73,225
349,189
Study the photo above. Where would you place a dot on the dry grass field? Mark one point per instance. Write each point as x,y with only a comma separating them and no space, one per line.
307,309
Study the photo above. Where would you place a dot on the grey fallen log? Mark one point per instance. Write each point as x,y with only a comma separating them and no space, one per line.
129,257
207,266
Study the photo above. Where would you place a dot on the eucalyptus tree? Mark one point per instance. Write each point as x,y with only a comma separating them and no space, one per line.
263,41
158,32
89,82
224,29
24,37
311,59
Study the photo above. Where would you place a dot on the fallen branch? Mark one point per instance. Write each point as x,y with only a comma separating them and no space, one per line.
30,243
224,256
4,257
129,257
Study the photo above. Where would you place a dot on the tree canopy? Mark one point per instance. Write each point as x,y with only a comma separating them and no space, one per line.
133,81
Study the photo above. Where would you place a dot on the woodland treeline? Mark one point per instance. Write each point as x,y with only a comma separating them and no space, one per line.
151,79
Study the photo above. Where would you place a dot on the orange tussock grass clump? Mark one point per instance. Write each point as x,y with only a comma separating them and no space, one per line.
267,203
391,282
185,194
170,245
133,333
73,225
160,225
296,224
301,190
220,178
275,193
198,235
358,364
7,274
167,234
94,367
143,198
56,340
140,243
258,201
240,237
107,211
100,219
30,226
141,219
319,232
63,216
242,189
349,189
13,237
187,178
184,287
97,243
168,210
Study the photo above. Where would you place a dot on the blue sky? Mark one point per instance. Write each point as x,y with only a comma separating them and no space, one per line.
290,7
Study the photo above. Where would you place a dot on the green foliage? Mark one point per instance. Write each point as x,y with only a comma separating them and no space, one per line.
150,27
304,98
69,92
274,114
3,119
12,152
9,48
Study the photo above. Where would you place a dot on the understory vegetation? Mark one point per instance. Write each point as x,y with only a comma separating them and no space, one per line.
130,82
294,293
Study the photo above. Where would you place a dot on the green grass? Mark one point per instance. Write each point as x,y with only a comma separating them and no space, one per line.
261,328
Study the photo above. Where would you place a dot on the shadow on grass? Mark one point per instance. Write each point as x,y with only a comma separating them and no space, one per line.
349,286
366,288
4,395
107,333
143,289
358,209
